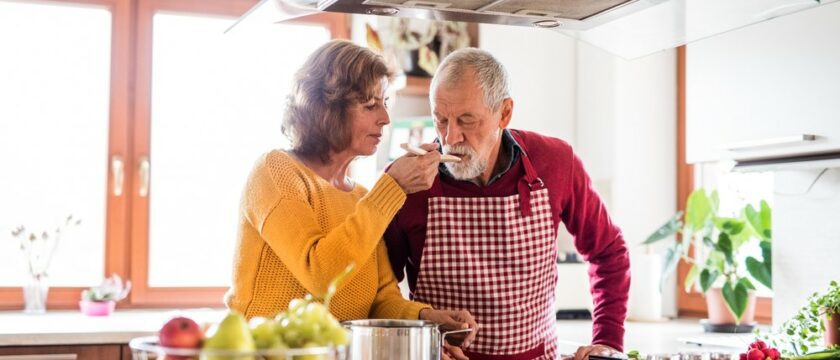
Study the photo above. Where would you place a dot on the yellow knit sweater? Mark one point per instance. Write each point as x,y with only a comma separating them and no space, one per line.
297,232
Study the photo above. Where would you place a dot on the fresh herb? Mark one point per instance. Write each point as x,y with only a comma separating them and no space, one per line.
804,331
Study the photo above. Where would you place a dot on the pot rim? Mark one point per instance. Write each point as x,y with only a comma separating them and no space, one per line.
390,323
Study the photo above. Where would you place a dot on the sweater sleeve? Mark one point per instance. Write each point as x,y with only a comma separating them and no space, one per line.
600,242
389,302
280,210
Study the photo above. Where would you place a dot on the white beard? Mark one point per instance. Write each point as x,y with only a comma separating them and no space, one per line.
465,170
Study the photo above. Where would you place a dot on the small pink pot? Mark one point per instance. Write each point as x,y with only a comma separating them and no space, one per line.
97,308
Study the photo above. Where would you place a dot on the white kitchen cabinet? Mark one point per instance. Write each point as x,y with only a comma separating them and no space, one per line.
776,79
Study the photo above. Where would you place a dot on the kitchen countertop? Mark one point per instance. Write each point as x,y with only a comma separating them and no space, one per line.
681,335
74,328
71,327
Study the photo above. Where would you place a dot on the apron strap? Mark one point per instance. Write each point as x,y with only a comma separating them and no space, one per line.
526,183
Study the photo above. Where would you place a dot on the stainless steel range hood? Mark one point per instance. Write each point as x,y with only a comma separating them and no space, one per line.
628,28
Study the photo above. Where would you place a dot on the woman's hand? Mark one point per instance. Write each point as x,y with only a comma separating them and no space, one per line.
453,320
416,173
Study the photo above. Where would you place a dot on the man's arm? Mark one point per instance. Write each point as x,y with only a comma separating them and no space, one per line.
397,244
600,243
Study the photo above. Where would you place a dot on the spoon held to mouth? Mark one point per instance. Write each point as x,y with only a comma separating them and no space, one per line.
420,152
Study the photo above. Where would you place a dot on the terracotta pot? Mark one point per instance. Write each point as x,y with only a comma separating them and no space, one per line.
720,314
832,329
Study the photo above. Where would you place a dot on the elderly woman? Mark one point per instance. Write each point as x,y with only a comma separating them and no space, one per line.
303,220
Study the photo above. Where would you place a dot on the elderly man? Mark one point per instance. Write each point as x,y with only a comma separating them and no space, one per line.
483,238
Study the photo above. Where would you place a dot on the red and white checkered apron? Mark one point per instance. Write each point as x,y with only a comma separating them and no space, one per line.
495,257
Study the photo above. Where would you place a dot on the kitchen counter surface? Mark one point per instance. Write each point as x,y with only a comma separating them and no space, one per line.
682,335
73,328
67,327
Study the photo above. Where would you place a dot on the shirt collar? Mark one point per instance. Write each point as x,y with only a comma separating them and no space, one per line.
509,146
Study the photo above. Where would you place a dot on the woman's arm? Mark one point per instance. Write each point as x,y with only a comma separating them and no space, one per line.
389,302
286,220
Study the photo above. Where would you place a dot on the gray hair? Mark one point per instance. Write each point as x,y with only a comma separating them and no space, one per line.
489,72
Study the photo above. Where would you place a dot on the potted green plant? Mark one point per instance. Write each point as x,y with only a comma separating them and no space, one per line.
818,321
716,268
102,300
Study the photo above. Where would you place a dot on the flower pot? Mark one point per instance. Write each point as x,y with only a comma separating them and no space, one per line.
97,308
720,314
832,329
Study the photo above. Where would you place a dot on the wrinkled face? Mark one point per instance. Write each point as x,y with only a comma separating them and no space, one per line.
466,127
367,121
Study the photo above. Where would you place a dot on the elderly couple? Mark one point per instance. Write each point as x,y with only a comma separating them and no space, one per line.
476,238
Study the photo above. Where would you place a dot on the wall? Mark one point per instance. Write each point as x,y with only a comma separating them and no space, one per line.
541,64
626,132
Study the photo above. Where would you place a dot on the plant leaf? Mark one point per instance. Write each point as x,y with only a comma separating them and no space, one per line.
736,299
724,245
669,228
759,272
767,254
747,283
698,209
714,201
672,257
766,221
707,279
731,226
691,277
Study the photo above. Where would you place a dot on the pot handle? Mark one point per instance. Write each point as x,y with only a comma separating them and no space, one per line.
443,335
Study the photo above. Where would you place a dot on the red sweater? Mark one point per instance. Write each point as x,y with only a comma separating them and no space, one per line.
574,202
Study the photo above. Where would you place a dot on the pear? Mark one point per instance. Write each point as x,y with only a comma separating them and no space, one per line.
232,334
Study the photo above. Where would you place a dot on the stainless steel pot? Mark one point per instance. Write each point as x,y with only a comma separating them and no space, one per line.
395,339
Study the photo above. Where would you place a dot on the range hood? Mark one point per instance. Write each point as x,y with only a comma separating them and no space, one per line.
627,28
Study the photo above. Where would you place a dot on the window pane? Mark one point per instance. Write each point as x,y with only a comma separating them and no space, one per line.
217,102
735,191
54,92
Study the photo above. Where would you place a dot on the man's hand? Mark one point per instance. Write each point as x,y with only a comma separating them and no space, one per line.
451,352
452,320
583,352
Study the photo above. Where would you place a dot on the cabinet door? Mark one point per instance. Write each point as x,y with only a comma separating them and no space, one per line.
770,81
78,352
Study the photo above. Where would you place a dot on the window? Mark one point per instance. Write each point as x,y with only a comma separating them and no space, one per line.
736,189
54,133
216,103
143,118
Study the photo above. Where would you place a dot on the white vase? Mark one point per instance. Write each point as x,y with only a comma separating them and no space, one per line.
35,294
645,303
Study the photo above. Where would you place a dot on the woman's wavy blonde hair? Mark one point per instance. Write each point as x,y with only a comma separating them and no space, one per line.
337,75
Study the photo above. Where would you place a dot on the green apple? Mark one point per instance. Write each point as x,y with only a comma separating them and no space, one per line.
232,334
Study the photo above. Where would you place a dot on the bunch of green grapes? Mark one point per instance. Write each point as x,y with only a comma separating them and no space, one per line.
306,323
